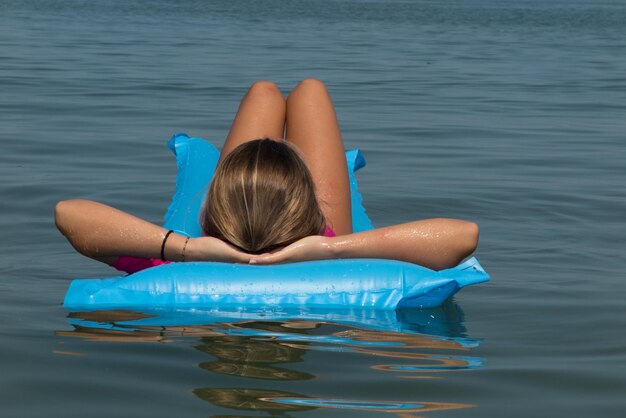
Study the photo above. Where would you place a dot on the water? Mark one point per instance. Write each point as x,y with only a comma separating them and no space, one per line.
507,113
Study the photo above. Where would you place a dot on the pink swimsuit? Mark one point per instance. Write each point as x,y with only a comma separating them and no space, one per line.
135,264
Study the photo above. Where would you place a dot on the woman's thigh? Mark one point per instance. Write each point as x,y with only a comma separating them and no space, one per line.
261,114
313,128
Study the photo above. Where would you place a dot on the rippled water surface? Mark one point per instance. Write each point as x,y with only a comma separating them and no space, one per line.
507,113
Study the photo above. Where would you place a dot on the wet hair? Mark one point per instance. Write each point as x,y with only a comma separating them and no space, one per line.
262,197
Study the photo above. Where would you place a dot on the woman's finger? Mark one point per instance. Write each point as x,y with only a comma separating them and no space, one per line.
269,258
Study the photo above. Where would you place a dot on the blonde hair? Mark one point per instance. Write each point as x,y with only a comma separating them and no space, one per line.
262,197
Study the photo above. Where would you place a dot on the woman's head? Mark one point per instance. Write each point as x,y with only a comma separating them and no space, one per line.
262,197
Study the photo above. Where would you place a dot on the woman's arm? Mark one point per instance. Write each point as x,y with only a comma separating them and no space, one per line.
432,243
105,233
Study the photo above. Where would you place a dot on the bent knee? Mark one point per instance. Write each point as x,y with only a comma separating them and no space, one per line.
311,84
264,88
310,87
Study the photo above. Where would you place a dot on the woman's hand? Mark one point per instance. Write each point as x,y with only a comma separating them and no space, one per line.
214,249
315,247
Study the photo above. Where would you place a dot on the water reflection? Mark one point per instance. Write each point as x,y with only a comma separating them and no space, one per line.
251,399
279,402
247,357
265,345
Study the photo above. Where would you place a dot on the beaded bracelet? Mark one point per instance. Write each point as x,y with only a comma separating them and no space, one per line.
185,248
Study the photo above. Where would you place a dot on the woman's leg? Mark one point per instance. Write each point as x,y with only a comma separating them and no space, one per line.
312,126
261,114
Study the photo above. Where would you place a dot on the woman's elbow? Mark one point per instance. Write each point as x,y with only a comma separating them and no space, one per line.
60,215
65,213
468,238
461,241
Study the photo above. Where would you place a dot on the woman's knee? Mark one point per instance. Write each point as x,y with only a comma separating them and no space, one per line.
312,83
310,86
265,89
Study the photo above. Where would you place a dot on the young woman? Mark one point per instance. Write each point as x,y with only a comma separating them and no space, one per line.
280,199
